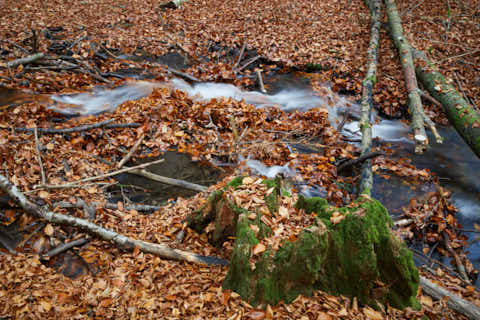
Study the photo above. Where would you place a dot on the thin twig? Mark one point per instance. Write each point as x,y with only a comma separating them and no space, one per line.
170,181
260,81
64,247
39,156
15,45
249,62
346,116
107,124
458,261
34,232
183,75
102,176
360,159
459,56
240,56
427,96
108,205
431,125
165,180
132,151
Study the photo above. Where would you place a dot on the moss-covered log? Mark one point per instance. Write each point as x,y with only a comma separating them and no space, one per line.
461,115
405,53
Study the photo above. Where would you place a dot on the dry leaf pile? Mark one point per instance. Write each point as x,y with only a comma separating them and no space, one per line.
113,284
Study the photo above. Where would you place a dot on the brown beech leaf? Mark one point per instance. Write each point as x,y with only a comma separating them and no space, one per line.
259,248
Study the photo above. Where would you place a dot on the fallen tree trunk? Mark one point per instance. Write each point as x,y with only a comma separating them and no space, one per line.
406,59
366,180
461,115
119,240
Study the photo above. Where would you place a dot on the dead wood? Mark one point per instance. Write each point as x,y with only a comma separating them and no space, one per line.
458,261
119,240
99,177
39,156
260,81
89,212
249,62
25,60
65,246
184,75
240,55
131,152
155,177
107,124
366,181
108,205
461,115
406,59
362,159
455,302
170,181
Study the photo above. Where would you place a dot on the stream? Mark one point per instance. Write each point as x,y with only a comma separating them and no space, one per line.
453,162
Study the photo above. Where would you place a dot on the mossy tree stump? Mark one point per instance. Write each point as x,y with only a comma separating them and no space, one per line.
349,251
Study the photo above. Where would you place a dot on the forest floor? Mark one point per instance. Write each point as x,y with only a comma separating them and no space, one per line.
331,37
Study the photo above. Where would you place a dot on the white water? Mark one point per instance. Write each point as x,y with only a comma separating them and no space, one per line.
107,100
260,168
100,100
386,130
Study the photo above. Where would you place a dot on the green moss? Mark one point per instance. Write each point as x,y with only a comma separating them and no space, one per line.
315,67
353,257
240,277
236,182
271,200
206,214
310,205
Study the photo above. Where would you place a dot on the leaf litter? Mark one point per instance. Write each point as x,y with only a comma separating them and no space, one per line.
333,34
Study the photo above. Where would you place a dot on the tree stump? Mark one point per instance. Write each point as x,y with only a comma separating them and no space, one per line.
349,251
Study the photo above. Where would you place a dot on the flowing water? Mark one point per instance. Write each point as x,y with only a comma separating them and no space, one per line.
456,166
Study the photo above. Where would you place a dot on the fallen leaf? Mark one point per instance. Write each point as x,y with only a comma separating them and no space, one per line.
259,248
49,230
372,314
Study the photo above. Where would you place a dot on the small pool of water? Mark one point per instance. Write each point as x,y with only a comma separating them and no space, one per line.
458,170
177,166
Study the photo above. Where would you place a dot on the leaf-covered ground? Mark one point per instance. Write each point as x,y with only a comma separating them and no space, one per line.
114,284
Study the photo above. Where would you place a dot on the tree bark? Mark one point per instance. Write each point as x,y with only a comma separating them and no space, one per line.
456,303
119,240
366,180
26,60
461,115
406,59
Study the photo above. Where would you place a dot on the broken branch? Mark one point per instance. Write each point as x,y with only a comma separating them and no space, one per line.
105,124
26,60
102,176
119,240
